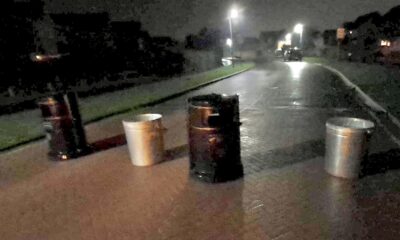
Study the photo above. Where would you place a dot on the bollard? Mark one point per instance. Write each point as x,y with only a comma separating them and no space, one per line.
346,145
214,138
63,127
144,135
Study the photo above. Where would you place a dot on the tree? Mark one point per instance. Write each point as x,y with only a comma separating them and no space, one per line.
17,42
207,39
391,22
367,30
130,43
88,43
329,37
164,57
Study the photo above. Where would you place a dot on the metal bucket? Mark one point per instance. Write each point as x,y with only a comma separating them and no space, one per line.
346,145
144,135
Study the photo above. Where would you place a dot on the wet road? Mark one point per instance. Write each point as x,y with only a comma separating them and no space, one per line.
285,194
284,105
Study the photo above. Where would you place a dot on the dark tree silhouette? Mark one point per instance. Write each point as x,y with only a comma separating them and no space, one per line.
17,42
207,39
366,33
391,22
88,43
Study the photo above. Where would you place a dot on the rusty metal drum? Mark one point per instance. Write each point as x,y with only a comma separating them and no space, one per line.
214,138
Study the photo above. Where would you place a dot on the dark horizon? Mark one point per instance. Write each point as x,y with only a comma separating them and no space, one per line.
178,18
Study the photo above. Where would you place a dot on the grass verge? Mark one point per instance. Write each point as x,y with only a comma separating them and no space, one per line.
381,83
23,127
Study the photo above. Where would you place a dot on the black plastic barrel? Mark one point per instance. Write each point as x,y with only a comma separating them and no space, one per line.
63,126
214,138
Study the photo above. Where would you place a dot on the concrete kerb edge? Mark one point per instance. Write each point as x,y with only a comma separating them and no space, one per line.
166,98
362,95
151,103
368,101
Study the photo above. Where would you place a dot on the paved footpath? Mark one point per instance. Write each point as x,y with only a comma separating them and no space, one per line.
285,194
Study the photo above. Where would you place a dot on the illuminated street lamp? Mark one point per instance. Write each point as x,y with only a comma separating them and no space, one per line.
39,57
299,29
229,42
42,58
233,13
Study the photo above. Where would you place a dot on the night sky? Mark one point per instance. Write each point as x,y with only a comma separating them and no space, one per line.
177,18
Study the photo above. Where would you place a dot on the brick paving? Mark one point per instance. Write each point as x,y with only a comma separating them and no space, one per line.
285,194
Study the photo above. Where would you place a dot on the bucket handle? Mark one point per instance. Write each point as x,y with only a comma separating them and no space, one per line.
370,131
162,128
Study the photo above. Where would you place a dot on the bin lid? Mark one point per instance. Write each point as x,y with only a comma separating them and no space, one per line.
213,110
350,124
53,107
206,101
141,121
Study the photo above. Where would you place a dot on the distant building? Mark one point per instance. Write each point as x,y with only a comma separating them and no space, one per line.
389,51
250,48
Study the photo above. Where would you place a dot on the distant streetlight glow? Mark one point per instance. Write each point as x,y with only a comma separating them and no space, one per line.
298,28
44,58
229,42
288,37
38,57
234,13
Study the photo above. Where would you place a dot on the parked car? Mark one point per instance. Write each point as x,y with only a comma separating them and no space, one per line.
278,53
293,54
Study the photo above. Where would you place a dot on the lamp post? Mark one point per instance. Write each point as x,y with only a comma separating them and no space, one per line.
229,42
232,14
299,29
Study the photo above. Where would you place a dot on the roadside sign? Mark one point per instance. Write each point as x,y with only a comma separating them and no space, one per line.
340,33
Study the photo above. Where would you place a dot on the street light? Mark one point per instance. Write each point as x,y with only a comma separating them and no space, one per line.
233,13
229,42
299,29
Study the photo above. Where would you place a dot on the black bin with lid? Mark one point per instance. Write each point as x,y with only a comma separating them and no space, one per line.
63,126
214,137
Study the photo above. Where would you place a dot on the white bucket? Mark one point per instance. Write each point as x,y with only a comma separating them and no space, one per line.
144,136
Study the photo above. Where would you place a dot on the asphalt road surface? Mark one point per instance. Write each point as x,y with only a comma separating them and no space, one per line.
285,193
